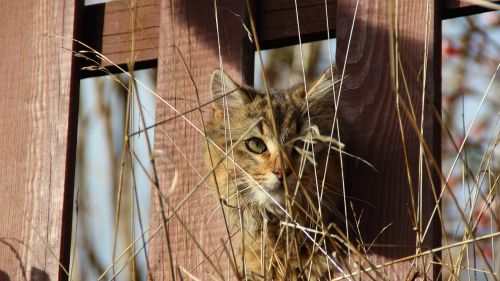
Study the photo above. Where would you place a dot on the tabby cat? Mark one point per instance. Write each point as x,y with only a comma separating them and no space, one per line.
272,179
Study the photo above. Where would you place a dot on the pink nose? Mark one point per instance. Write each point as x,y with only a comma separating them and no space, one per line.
279,173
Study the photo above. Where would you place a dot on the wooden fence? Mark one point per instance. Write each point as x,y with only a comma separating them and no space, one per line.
39,106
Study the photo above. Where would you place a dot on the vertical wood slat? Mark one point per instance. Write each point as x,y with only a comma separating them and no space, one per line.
369,118
38,125
190,26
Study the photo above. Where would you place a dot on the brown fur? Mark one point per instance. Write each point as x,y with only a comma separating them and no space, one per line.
288,253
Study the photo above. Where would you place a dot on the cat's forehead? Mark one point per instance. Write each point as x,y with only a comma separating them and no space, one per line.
287,109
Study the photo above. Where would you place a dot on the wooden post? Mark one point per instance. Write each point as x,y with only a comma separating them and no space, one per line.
383,34
189,32
38,113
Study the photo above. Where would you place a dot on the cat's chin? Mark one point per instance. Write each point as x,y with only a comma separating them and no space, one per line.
270,200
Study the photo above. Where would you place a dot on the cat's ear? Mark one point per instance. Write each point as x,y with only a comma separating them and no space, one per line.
221,84
322,88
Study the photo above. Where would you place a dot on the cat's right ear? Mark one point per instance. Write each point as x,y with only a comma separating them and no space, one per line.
222,85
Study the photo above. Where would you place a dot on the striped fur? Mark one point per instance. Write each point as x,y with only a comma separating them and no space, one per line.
295,112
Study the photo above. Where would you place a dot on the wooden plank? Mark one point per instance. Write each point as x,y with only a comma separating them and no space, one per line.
461,4
370,120
277,23
460,8
109,25
38,115
277,27
191,27
279,5
109,30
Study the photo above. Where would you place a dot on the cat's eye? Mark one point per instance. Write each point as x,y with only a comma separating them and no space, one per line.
256,145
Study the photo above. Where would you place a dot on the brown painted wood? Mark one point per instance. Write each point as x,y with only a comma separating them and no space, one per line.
460,4
109,30
38,124
277,21
369,119
191,27
110,24
460,8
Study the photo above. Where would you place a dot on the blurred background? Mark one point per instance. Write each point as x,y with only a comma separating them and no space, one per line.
471,55
113,192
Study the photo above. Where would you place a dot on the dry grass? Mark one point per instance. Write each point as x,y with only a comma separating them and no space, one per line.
467,206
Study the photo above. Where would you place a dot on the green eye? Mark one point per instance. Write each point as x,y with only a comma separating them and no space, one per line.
256,145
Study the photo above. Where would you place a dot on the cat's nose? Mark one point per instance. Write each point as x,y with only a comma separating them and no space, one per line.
279,173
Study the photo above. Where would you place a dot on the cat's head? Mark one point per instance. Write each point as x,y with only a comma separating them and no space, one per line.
243,114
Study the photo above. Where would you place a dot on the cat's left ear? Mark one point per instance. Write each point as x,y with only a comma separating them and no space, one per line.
322,88
223,85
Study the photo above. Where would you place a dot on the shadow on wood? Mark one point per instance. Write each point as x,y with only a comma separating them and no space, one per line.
369,117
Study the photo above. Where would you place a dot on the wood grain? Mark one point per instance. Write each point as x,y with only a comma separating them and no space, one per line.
277,21
370,119
37,147
109,25
461,4
460,8
109,30
190,26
